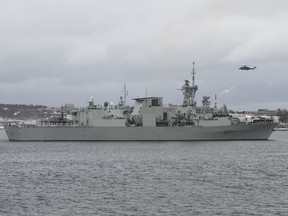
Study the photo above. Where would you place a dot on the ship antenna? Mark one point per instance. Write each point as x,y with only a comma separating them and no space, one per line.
193,74
215,100
125,91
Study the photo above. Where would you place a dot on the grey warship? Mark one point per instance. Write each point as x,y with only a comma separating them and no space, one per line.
148,120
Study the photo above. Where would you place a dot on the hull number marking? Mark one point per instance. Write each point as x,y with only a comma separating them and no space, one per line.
228,131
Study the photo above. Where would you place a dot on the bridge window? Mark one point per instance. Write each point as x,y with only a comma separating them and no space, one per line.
155,102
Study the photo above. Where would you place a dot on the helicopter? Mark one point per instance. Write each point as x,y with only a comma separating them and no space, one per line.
245,67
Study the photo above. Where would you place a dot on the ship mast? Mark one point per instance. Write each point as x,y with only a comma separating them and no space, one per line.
193,74
189,91
125,93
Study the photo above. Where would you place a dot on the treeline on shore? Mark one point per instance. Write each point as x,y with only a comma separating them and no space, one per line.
21,111
283,115
21,106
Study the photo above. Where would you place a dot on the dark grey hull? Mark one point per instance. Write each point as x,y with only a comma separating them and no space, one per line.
234,132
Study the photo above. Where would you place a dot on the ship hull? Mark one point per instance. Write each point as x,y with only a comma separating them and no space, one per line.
233,132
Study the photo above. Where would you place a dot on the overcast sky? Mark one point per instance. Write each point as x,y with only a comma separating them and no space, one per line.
54,52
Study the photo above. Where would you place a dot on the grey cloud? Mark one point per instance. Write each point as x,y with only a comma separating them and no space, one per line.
64,50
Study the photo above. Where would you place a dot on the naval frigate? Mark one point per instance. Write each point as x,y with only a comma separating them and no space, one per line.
147,120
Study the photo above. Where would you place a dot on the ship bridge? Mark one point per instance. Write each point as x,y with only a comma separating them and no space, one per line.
149,101
147,110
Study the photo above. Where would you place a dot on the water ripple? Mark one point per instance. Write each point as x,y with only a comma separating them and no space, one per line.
200,178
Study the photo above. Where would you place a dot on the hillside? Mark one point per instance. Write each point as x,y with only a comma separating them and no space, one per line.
21,111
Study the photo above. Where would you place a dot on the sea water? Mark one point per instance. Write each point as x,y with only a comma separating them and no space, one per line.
144,178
